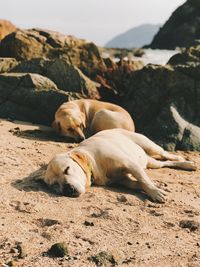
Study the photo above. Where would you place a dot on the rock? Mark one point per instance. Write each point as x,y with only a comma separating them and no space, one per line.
58,250
6,64
122,198
158,98
138,52
87,223
48,222
30,97
189,224
187,62
104,258
22,251
66,76
6,27
182,28
114,79
188,55
110,64
189,134
38,43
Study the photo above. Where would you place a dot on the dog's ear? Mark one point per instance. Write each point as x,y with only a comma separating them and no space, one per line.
83,119
56,126
83,162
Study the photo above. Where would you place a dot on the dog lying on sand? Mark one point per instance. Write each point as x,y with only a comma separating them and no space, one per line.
114,156
82,118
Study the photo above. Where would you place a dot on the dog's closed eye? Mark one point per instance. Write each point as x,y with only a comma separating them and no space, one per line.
70,129
66,170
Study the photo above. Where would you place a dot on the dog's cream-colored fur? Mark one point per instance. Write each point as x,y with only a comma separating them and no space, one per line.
82,118
114,156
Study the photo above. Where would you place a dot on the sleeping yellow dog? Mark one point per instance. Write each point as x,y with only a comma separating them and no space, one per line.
111,156
82,118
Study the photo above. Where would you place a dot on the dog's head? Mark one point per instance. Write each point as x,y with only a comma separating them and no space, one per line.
71,172
70,123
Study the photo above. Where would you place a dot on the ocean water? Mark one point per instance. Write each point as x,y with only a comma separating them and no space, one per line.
156,56
153,56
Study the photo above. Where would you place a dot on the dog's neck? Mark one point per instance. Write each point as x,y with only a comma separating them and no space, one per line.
85,165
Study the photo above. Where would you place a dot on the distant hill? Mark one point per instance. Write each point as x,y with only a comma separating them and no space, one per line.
135,37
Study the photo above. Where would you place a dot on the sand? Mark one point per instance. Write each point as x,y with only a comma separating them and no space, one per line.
122,223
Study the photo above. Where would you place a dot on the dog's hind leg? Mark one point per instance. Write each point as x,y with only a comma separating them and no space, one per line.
153,149
128,182
156,164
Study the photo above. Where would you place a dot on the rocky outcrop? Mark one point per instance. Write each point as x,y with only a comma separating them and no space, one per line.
154,94
37,43
62,60
182,28
66,76
6,27
164,101
30,97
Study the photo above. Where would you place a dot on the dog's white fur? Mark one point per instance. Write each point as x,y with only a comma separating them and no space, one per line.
113,156
82,118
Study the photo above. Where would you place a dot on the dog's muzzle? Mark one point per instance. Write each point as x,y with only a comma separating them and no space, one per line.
69,190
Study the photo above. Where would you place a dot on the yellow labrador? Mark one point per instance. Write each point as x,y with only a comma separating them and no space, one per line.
82,118
113,156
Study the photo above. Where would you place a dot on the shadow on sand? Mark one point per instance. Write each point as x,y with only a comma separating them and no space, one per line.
41,135
37,132
34,182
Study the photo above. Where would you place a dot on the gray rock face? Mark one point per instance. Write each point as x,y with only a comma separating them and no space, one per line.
182,28
151,93
66,76
189,134
30,97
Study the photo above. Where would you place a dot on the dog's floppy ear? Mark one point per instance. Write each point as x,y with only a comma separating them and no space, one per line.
56,126
83,162
83,119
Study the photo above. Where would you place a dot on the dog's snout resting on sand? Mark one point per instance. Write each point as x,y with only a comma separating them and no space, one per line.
82,118
112,156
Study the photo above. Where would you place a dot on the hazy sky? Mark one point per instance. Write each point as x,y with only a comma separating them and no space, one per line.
94,20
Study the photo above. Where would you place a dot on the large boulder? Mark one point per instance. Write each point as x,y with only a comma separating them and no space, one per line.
150,95
6,27
38,43
66,76
30,97
182,28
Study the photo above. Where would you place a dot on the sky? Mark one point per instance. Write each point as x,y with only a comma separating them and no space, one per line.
93,20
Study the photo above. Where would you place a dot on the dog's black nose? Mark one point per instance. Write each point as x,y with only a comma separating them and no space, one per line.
69,190
80,139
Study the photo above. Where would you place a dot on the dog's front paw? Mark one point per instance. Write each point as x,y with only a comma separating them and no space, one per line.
157,194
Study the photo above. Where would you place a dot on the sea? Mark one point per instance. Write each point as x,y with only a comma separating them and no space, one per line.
156,56
151,56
